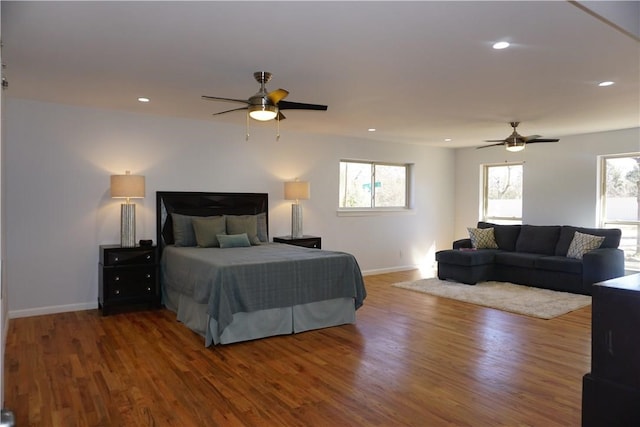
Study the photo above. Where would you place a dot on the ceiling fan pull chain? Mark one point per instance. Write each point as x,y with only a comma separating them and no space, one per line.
247,137
278,128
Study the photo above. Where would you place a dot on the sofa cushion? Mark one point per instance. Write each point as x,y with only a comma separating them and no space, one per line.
538,239
559,263
482,238
611,237
506,235
468,258
517,259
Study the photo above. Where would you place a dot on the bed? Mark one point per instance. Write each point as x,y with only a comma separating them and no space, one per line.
229,291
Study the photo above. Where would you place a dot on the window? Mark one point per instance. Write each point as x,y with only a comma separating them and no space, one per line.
620,202
502,193
371,185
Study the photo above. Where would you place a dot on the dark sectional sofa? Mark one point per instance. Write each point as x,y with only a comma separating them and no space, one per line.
534,255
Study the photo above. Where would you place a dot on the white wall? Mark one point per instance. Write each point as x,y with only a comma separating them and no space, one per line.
560,179
58,210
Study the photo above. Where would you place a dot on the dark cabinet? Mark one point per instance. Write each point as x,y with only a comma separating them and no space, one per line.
128,277
611,391
615,340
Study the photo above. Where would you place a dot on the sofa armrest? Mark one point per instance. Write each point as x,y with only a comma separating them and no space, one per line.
462,243
601,264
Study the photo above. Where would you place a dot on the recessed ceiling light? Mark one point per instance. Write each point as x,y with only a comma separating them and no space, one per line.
371,129
607,83
501,45
447,140
142,99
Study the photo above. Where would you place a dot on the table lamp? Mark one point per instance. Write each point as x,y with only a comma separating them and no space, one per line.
296,190
128,187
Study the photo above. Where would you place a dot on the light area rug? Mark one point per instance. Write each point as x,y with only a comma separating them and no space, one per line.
530,301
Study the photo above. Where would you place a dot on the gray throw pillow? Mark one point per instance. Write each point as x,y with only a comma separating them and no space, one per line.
238,224
234,240
207,229
183,234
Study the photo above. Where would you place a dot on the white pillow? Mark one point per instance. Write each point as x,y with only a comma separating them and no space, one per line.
583,243
482,238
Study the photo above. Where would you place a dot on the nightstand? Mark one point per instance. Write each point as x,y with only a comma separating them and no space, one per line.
305,241
128,277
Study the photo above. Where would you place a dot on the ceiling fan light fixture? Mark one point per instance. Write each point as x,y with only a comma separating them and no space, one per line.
514,146
263,112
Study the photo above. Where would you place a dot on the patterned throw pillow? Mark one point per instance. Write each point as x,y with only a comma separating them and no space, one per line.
583,243
482,238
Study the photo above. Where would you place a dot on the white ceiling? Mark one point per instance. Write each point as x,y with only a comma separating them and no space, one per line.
418,72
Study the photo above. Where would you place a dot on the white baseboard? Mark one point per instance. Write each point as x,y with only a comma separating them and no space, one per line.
389,270
39,311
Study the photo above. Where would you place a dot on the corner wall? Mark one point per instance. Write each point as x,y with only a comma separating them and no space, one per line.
58,211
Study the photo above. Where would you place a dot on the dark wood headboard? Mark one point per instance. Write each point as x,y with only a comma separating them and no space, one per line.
203,204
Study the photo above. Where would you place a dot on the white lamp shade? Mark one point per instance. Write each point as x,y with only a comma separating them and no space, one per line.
127,186
296,190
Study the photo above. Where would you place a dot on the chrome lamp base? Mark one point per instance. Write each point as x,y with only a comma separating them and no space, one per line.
296,221
128,225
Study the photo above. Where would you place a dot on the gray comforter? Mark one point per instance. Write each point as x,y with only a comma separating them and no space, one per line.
272,275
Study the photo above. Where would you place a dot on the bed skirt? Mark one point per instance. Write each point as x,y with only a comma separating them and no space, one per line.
262,323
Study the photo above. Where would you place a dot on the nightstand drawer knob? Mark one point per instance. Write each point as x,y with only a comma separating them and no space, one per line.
148,256
116,259
148,276
117,278
117,292
149,288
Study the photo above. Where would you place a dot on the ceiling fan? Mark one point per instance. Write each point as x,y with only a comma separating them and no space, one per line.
516,142
264,106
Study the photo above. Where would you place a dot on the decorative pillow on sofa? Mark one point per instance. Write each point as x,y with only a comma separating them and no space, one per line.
611,237
482,238
206,230
583,243
233,240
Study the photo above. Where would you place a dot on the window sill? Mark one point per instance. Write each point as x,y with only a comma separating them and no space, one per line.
375,212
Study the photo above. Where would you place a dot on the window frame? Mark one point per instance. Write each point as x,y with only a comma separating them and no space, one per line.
603,222
485,194
374,210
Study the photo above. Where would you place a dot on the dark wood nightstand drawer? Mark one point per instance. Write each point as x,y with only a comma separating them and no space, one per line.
122,283
114,256
304,241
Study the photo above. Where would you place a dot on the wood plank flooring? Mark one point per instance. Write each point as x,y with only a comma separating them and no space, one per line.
411,359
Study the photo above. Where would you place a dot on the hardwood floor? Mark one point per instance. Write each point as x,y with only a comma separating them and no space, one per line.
411,359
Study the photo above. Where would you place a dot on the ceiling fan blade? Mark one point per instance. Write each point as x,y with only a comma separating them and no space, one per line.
530,137
493,140
491,145
533,141
228,111
216,98
280,115
277,95
287,105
